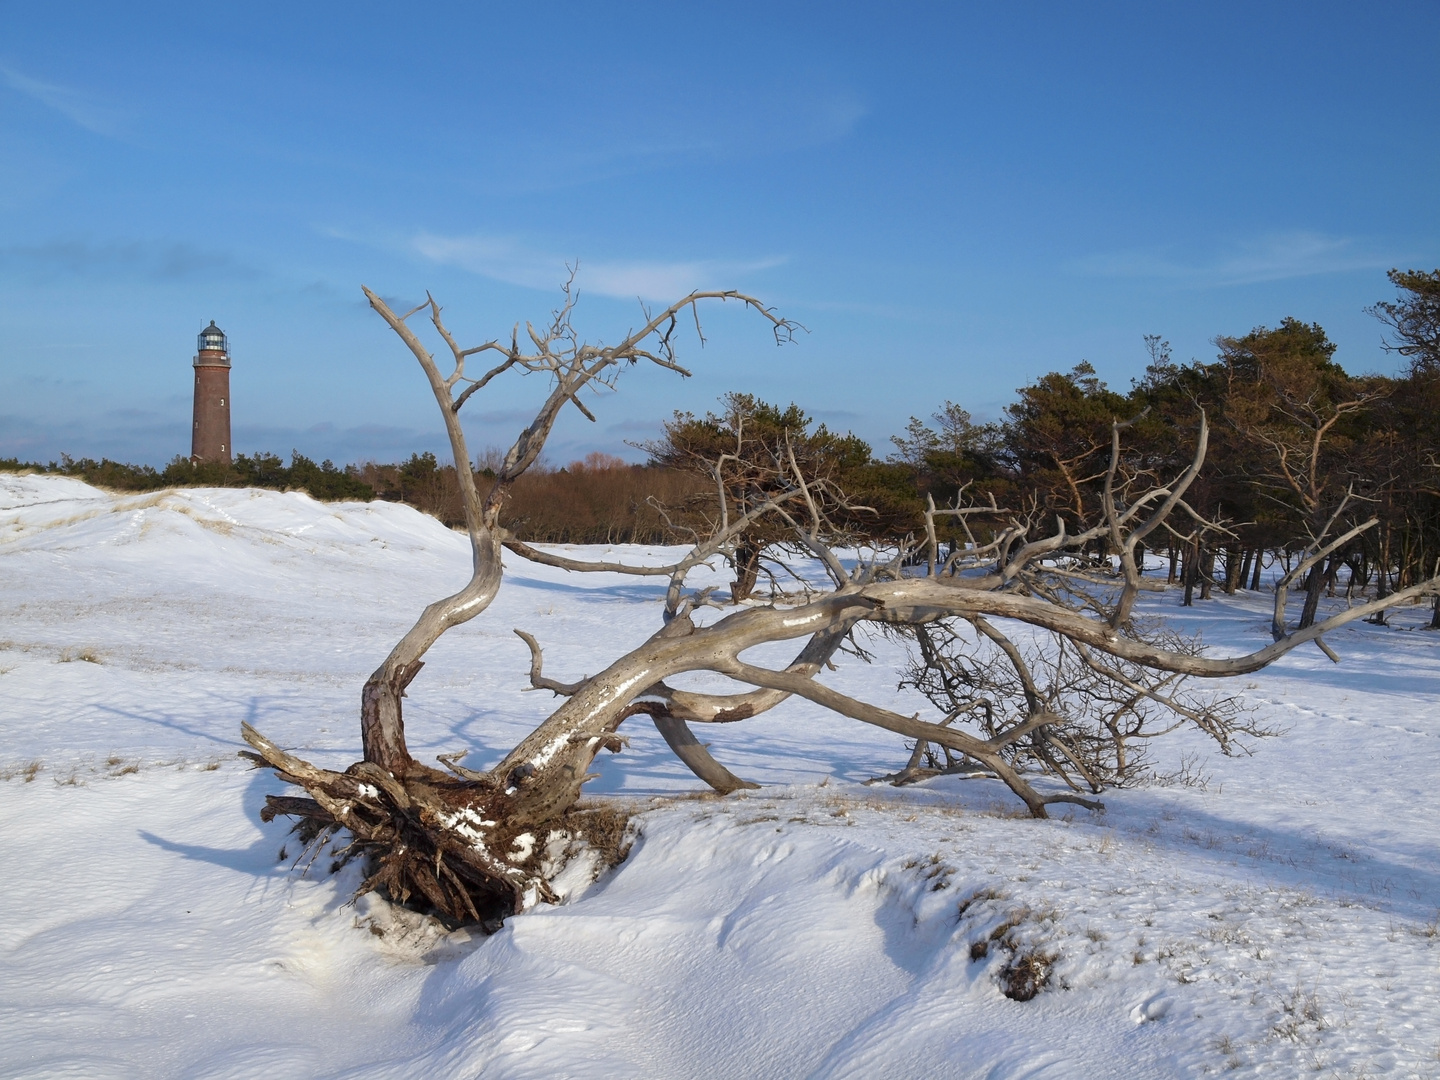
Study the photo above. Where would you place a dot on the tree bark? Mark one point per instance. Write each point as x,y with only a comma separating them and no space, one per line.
1314,585
747,571
1190,571
1233,570
1246,559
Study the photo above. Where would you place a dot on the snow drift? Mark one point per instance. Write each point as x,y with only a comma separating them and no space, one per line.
1276,913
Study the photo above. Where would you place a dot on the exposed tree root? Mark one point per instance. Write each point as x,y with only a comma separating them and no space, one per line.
440,845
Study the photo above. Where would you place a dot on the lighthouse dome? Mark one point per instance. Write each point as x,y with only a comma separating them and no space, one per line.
212,338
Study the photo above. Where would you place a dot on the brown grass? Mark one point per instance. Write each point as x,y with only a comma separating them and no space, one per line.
27,772
1026,973
605,827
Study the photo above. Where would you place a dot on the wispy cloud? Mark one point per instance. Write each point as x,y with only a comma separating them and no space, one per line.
156,261
614,139
1272,257
839,417
512,262
832,115
75,105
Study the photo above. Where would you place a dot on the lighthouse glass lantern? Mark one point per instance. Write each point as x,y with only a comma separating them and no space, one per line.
212,338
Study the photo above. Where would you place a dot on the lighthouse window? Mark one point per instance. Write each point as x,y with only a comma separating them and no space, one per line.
222,447
222,401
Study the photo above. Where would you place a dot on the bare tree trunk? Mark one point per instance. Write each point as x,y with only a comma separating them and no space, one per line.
1259,567
1190,572
1244,576
466,844
1332,574
1314,585
1382,579
1321,575
1232,570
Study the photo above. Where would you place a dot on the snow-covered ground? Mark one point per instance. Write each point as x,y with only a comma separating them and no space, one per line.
1280,920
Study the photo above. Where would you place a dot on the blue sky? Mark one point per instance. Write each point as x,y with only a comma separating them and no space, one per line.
954,199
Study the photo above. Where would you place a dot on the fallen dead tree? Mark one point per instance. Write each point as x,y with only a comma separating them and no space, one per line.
470,846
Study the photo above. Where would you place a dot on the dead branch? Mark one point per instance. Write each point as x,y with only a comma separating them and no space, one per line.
537,679
1069,690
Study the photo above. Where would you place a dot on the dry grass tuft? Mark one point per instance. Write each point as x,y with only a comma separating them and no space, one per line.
1028,967
1026,973
977,897
27,771
1300,1013
605,827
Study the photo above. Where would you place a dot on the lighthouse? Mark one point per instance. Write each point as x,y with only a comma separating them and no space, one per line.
210,439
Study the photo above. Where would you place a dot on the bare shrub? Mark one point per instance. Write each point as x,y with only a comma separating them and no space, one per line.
1106,709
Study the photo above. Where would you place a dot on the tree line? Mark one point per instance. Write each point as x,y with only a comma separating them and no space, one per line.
1297,445
324,481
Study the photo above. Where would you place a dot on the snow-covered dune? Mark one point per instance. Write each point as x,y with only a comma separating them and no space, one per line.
1280,918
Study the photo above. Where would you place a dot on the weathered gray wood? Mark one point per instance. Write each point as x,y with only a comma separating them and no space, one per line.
465,845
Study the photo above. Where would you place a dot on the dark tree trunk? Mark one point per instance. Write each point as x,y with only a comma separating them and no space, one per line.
1314,585
1332,573
1359,575
1259,565
1382,580
747,571
1232,570
1246,558
1189,572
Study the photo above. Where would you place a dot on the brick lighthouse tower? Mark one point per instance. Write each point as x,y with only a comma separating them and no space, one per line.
210,441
